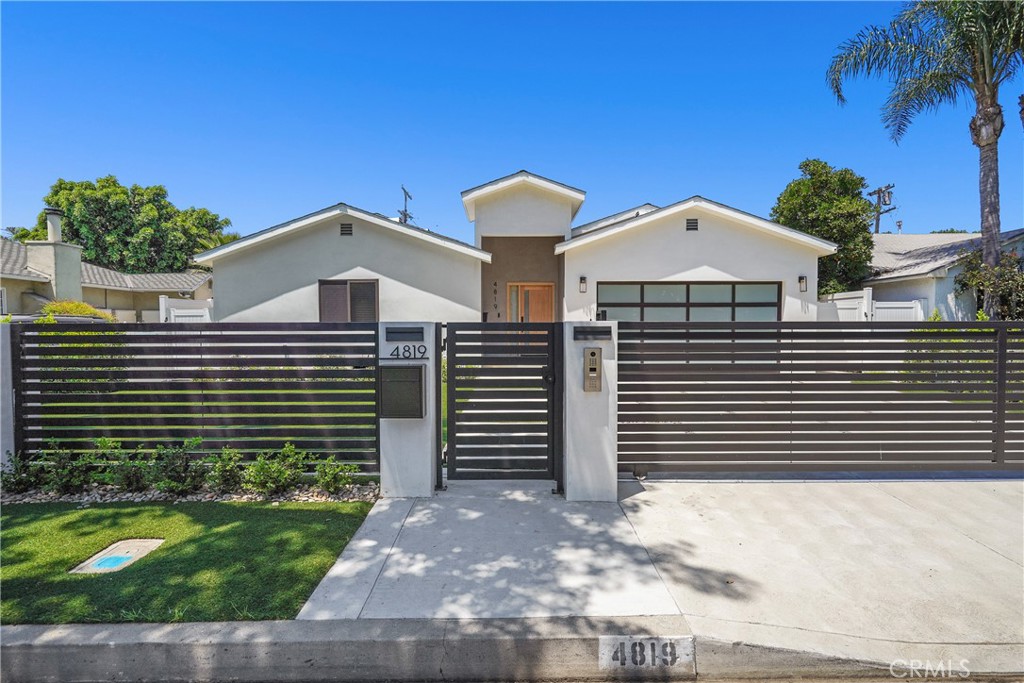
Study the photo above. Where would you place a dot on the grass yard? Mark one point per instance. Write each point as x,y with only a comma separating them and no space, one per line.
220,561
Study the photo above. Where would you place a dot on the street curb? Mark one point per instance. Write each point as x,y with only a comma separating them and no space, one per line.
541,649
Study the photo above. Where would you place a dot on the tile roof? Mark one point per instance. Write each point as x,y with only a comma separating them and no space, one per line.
14,263
897,256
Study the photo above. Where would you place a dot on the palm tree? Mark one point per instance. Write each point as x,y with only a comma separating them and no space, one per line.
216,239
935,53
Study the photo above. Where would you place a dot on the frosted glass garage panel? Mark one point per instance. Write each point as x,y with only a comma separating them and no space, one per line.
668,314
711,314
668,293
756,314
618,294
624,313
757,294
711,294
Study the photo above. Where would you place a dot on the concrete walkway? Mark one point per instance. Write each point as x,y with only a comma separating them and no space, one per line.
862,569
491,550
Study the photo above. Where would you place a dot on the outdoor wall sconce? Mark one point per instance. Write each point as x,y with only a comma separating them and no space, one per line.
583,284
803,283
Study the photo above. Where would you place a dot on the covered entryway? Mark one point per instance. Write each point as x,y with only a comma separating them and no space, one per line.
504,401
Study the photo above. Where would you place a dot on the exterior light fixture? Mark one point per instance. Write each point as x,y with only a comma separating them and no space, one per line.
583,284
803,283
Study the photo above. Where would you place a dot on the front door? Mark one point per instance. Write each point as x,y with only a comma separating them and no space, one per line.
531,302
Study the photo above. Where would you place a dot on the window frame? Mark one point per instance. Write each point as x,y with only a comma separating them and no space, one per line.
687,305
348,293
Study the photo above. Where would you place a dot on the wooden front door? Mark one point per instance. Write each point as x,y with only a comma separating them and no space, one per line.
531,302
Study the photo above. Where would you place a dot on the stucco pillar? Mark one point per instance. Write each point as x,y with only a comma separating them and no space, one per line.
6,394
407,443
591,417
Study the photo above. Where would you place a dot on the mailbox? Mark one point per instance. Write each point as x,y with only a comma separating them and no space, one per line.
402,391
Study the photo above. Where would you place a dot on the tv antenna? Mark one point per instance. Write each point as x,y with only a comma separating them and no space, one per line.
404,216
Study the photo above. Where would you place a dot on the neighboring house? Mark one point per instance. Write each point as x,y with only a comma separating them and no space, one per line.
34,273
923,268
693,260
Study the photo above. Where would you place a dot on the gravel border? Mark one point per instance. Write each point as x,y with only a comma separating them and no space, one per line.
100,493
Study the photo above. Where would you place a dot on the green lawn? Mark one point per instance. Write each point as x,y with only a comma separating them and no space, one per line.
220,561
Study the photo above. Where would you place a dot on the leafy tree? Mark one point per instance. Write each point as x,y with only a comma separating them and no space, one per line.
830,203
936,53
216,239
1003,284
131,229
949,231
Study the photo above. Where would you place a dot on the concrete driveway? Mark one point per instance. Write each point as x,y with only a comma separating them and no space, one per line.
929,570
867,569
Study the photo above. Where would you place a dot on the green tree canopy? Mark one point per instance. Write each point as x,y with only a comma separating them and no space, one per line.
830,203
131,229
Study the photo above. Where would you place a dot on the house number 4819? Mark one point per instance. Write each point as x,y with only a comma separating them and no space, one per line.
409,351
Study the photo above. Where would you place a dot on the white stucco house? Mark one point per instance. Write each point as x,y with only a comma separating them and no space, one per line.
692,260
914,275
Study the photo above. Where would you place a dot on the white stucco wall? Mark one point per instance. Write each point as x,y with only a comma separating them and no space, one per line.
278,280
523,211
719,251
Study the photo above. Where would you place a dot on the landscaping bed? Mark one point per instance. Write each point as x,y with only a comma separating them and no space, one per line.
105,493
219,561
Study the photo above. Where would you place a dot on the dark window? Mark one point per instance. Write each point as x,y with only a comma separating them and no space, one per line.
689,301
348,301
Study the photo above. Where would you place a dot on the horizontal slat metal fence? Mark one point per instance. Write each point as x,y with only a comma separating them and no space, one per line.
251,386
820,396
502,400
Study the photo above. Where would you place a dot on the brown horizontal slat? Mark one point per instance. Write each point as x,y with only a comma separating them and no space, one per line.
143,374
858,434
483,372
501,439
176,339
663,422
188,431
504,463
167,388
498,451
923,358
262,351
241,407
501,383
472,394
343,421
529,428
797,396
657,429
712,466
178,328
826,448
198,397
185,365
669,389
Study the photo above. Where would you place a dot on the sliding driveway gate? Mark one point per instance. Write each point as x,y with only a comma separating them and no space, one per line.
251,386
820,396
504,400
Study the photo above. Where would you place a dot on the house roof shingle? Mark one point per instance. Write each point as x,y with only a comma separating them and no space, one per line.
14,264
907,255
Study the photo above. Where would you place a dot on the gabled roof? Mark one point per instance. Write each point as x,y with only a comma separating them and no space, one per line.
340,209
823,247
907,256
14,265
613,219
471,196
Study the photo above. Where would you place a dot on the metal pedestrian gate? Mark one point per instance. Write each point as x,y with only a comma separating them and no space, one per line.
504,401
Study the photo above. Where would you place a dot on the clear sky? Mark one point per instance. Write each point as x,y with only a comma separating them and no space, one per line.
264,112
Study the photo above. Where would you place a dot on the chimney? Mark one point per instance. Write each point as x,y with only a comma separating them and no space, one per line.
53,217
57,260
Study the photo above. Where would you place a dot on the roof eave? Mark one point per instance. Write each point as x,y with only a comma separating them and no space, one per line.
472,195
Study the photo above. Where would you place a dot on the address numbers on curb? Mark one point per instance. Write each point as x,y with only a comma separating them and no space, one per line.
646,653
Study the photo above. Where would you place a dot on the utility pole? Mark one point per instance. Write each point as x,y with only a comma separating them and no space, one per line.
403,215
883,197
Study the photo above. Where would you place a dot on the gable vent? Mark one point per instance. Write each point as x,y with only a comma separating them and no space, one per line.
346,229
691,224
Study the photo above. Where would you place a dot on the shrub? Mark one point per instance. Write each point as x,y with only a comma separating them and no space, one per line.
69,307
332,476
225,473
66,471
177,470
128,470
274,473
21,474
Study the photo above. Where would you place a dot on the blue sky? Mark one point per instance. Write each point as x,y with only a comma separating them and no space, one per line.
264,112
